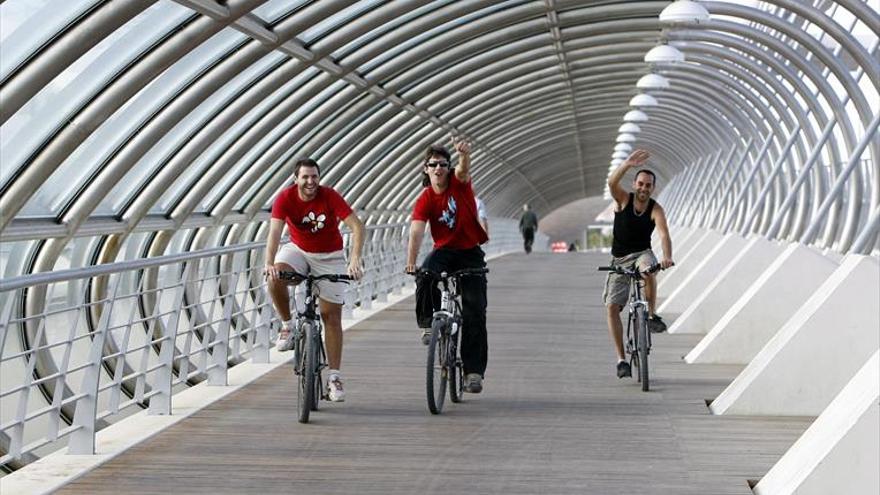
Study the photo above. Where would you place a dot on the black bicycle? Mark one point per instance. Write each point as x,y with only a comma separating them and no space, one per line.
309,355
638,337
444,366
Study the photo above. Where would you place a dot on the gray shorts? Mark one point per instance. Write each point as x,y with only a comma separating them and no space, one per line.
616,285
318,264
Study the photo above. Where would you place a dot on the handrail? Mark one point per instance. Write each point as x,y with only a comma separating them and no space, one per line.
149,328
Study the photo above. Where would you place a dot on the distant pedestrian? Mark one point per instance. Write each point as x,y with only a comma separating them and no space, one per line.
528,224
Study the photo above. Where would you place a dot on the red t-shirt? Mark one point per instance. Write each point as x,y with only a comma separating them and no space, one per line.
452,215
313,225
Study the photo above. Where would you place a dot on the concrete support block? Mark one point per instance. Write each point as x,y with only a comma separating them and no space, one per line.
685,263
764,307
703,274
733,279
840,451
682,244
816,352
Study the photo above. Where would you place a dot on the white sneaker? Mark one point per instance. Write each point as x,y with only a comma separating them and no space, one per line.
337,394
285,339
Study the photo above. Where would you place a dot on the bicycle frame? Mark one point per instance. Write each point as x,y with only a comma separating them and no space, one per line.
638,311
443,349
308,364
309,316
450,303
635,301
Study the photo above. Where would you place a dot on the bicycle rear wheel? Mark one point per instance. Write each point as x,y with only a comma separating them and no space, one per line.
641,327
436,370
306,395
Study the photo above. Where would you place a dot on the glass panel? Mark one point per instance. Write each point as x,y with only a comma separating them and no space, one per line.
136,112
49,108
273,9
338,19
189,125
133,246
258,151
13,256
392,53
348,48
220,146
26,24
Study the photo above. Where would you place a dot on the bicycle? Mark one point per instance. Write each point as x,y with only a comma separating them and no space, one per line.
309,355
444,365
638,336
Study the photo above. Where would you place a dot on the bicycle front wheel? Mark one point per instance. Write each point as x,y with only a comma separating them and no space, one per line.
309,368
436,375
641,327
455,371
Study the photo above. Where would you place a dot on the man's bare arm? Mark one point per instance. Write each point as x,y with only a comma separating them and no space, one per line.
635,159
416,234
463,169
659,217
353,222
276,226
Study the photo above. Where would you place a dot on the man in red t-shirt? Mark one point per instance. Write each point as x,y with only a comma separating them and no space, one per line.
312,213
447,203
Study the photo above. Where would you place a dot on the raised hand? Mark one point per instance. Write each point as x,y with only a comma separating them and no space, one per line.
637,158
461,145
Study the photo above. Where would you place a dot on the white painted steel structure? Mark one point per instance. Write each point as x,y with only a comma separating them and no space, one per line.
149,129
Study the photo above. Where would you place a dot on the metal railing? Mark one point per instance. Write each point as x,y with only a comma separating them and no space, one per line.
118,338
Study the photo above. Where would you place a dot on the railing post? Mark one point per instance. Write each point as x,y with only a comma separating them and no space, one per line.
260,351
731,218
82,440
768,182
160,404
804,172
840,181
219,372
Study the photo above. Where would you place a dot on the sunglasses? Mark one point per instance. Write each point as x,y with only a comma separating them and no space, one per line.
437,163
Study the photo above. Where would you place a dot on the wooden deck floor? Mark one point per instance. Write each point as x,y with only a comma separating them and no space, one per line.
553,417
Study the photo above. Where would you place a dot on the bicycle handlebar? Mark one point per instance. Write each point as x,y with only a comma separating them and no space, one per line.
632,273
444,275
333,277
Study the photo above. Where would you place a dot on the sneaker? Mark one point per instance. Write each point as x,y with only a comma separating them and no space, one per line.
474,383
656,324
285,340
623,369
336,393
426,336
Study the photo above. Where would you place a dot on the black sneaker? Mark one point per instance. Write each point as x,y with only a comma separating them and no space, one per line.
656,324
623,369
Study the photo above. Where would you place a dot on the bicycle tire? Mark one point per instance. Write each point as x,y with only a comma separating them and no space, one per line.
307,376
435,367
320,359
641,323
456,374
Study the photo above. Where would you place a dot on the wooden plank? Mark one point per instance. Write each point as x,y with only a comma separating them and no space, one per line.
553,417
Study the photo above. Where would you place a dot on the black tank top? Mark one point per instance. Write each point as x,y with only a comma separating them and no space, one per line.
632,233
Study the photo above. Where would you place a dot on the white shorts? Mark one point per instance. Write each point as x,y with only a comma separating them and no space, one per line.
317,264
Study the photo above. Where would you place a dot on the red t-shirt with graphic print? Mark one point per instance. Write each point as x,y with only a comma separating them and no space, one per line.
313,225
452,215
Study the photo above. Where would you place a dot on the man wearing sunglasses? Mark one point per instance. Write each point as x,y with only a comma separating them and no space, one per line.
447,203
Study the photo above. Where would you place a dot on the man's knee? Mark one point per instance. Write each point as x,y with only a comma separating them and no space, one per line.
613,309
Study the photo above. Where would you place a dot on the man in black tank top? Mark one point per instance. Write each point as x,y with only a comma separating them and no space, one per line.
635,218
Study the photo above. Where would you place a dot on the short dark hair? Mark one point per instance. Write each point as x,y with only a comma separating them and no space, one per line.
305,162
434,149
646,171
